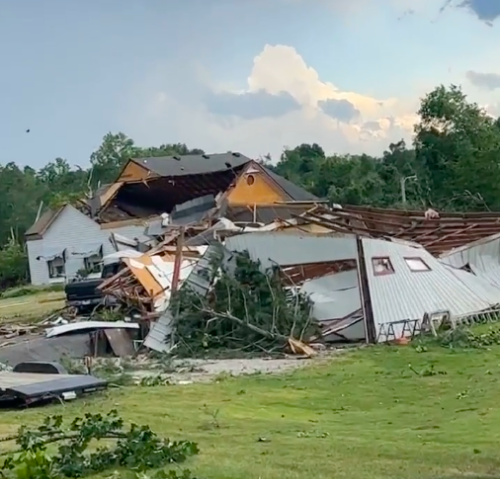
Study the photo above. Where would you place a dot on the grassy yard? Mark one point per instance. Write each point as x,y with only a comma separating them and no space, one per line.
365,414
26,308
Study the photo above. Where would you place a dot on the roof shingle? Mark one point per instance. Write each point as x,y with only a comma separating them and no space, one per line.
193,164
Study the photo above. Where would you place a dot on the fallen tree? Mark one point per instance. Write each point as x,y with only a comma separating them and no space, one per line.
247,310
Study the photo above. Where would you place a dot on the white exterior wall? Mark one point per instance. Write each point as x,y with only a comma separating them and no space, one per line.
71,230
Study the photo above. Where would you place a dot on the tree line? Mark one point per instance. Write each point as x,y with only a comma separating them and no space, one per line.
452,165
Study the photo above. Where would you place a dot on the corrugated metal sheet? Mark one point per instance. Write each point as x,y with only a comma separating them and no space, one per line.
334,296
275,248
482,256
478,284
199,281
409,295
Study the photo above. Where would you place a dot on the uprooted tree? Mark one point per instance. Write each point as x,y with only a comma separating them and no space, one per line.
136,449
246,310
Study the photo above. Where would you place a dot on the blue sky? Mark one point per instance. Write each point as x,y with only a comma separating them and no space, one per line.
247,75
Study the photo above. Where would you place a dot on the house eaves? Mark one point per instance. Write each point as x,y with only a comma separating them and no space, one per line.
38,229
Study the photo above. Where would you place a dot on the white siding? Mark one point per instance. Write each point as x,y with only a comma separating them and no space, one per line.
72,230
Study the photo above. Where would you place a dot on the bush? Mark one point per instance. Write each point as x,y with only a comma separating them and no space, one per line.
13,265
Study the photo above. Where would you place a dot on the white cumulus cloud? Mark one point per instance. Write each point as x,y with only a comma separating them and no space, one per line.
284,103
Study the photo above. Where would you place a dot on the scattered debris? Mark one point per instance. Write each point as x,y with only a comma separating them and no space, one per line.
214,270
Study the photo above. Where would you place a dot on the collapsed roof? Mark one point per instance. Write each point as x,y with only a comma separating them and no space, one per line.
361,288
437,232
163,183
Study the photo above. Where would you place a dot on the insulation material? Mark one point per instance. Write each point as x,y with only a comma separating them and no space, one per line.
155,274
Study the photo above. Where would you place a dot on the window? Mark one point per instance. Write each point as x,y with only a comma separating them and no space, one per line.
416,264
382,266
250,180
93,264
56,268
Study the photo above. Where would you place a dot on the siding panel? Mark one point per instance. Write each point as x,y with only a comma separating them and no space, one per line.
73,230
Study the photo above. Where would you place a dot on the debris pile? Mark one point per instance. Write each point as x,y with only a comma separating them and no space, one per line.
232,256
144,283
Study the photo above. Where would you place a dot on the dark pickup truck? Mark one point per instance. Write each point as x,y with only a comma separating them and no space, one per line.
84,295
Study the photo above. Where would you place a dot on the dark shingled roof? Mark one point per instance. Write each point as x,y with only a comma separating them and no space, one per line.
295,192
39,227
203,164
193,164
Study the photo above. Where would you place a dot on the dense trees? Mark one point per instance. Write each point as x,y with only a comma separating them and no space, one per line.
453,164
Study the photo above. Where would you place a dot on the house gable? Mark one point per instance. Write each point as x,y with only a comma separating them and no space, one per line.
68,219
72,232
37,229
133,171
255,187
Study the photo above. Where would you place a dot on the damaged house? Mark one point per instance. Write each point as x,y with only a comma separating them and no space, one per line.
149,196
186,189
362,289
65,240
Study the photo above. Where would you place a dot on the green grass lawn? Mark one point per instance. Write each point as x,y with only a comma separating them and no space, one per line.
364,414
29,307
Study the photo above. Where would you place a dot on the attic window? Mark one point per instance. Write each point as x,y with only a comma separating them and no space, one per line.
416,264
382,266
250,180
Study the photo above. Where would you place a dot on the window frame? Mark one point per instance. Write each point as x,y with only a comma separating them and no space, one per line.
96,261
416,258
51,268
382,273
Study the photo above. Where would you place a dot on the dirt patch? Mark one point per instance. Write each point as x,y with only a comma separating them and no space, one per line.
201,370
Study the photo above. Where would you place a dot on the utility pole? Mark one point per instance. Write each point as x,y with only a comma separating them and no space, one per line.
403,186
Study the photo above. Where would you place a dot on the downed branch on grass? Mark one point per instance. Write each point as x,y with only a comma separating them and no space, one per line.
247,310
171,474
463,337
136,448
296,346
